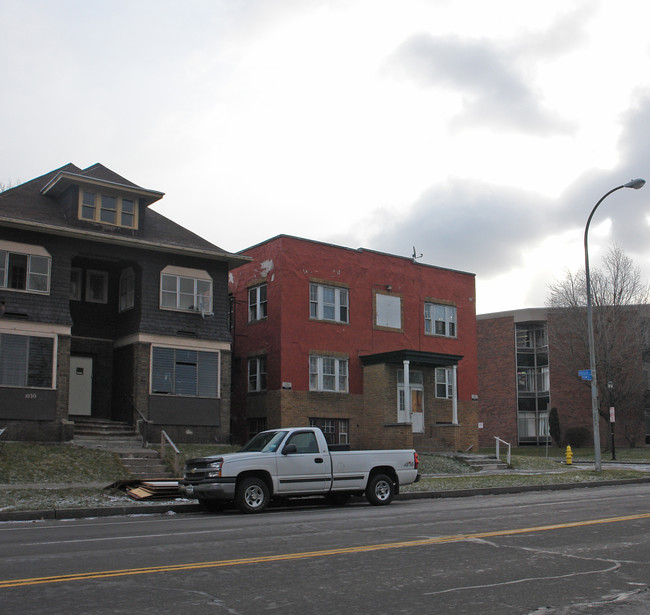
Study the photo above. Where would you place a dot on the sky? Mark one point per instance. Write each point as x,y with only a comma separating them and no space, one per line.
479,134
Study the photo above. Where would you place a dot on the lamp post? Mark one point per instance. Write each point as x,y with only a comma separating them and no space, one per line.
636,184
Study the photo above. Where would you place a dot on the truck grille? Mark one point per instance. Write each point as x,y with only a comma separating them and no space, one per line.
196,469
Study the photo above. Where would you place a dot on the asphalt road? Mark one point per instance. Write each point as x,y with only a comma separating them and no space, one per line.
542,553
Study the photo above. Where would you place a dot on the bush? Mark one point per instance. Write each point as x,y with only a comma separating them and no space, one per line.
554,427
576,437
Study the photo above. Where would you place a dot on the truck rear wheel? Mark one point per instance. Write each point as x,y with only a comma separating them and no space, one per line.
380,490
252,495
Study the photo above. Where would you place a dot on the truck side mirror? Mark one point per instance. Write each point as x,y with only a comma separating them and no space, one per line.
289,448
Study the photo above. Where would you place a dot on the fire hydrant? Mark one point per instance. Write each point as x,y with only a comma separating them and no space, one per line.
569,455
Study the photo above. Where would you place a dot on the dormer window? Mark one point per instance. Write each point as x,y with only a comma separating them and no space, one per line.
108,209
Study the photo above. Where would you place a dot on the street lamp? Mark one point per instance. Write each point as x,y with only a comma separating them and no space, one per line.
636,184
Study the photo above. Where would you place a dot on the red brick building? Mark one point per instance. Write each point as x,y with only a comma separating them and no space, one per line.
521,377
378,350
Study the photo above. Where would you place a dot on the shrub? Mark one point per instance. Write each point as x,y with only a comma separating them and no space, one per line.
576,437
554,427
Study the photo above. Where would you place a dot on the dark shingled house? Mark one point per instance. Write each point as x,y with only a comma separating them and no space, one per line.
109,311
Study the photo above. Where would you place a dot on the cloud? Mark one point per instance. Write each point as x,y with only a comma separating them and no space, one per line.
563,34
467,225
494,79
488,229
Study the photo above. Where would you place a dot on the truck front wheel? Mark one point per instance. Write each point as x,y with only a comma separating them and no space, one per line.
252,495
380,490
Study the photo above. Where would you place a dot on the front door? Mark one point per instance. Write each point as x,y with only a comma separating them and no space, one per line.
81,386
416,416
417,411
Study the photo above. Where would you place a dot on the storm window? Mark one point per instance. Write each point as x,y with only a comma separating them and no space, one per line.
328,303
440,319
257,303
181,292
256,374
26,361
182,372
25,271
328,374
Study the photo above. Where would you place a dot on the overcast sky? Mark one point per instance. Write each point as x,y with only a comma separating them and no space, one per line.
482,133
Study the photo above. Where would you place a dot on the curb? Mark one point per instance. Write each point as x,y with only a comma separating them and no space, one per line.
161,509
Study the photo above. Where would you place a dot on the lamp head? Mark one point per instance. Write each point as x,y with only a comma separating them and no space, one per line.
635,183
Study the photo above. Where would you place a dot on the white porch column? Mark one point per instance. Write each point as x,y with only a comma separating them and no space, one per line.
454,399
407,391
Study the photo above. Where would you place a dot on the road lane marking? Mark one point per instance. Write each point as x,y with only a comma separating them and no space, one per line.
106,574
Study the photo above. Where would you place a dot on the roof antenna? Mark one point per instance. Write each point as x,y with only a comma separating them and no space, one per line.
415,255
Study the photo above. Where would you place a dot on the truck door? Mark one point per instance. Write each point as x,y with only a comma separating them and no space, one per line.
307,469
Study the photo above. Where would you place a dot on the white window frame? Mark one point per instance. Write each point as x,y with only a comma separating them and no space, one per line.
100,275
127,289
338,303
329,374
257,374
257,302
440,319
190,294
445,377
34,255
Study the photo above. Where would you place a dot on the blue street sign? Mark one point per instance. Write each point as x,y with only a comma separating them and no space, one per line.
585,374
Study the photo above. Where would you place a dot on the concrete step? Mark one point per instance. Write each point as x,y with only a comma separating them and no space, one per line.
482,462
111,443
97,427
144,464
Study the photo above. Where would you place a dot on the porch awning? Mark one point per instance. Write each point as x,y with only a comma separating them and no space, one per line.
436,359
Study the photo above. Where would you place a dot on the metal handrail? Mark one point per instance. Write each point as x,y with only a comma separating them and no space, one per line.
507,444
139,423
177,453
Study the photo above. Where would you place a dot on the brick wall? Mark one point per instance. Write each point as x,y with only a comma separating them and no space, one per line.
497,371
289,334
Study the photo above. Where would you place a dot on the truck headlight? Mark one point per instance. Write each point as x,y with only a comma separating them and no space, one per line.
214,469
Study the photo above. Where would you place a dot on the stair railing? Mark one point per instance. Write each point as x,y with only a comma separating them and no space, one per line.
499,440
177,453
141,424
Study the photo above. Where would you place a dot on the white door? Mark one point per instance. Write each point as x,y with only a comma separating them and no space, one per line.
416,416
81,386
417,410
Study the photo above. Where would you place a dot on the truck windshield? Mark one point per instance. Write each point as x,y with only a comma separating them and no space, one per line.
265,442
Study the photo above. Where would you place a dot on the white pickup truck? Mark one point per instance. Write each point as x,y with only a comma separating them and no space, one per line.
296,462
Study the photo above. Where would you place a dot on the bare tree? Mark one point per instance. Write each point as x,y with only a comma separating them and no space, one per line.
620,312
6,185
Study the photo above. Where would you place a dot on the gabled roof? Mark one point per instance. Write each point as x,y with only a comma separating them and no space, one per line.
34,206
99,177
